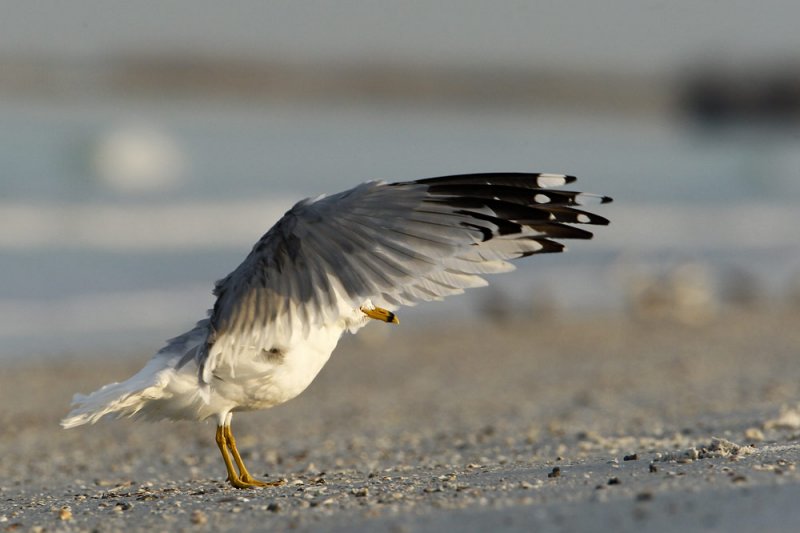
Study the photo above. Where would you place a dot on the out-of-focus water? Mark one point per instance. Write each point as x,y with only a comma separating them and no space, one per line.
89,265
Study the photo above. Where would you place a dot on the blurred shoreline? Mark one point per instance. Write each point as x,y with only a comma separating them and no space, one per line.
702,91
249,82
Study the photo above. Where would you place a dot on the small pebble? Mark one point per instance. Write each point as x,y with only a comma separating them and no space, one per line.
754,435
274,507
644,496
360,492
614,481
65,513
631,457
653,468
198,517
555,473
125,506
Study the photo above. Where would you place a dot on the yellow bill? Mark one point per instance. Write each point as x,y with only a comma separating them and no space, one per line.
379,313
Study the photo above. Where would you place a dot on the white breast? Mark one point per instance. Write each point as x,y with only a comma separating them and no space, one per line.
265,378
262,378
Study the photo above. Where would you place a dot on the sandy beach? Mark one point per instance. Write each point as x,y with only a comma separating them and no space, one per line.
561,424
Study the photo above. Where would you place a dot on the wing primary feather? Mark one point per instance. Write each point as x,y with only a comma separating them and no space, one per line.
517,195
520,179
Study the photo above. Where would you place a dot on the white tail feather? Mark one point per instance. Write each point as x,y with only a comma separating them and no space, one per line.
170,375
123,399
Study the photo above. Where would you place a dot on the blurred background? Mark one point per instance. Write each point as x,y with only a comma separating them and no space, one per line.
144,146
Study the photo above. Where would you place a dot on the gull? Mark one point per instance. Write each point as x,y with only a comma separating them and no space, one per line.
330,265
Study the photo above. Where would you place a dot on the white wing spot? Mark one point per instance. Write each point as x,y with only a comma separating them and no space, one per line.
551,180
541,199
587,199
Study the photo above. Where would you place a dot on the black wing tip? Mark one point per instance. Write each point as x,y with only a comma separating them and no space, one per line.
549,246
597,220
606,200
466,178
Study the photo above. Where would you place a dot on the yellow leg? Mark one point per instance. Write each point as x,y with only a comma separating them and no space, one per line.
233,477
242,480
379,313
243,473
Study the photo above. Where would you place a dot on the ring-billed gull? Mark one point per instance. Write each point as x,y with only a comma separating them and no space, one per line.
328,266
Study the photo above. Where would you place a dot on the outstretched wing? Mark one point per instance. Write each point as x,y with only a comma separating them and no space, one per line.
394,244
